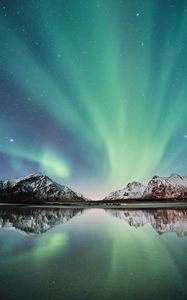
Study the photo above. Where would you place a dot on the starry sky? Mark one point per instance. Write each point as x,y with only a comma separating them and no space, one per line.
93,93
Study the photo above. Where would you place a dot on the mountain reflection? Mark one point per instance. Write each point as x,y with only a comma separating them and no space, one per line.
162,220
35,220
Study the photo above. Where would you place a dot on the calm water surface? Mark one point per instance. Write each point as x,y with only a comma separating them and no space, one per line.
74,253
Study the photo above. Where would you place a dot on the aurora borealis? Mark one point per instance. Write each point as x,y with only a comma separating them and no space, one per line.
93,92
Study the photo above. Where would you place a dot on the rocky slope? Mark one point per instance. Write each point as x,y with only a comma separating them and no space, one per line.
162,220
36,187
172,187
133,190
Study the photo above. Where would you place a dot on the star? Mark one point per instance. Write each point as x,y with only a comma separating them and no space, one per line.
104,69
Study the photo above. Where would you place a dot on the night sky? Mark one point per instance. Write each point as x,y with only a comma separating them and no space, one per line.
93,93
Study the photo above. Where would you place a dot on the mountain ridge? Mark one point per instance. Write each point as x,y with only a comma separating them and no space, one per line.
171,187
36,187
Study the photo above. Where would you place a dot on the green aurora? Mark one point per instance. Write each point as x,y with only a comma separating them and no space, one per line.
93,93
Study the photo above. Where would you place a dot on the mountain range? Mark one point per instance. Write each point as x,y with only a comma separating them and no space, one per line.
39,188
158,188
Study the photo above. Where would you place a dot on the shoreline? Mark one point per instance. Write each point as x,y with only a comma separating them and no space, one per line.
97,204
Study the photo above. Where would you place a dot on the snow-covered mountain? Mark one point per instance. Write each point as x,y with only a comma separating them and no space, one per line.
133,190
35,220
36,187
174,186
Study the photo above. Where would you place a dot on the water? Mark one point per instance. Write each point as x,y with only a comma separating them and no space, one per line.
74,253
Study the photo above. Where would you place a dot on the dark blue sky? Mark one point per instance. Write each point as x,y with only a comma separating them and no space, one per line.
93,93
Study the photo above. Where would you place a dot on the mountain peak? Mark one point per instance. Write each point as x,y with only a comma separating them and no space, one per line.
174,186
133,190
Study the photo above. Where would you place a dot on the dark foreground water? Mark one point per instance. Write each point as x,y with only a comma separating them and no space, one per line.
62,253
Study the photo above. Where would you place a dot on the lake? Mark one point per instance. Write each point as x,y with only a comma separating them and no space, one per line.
77,253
